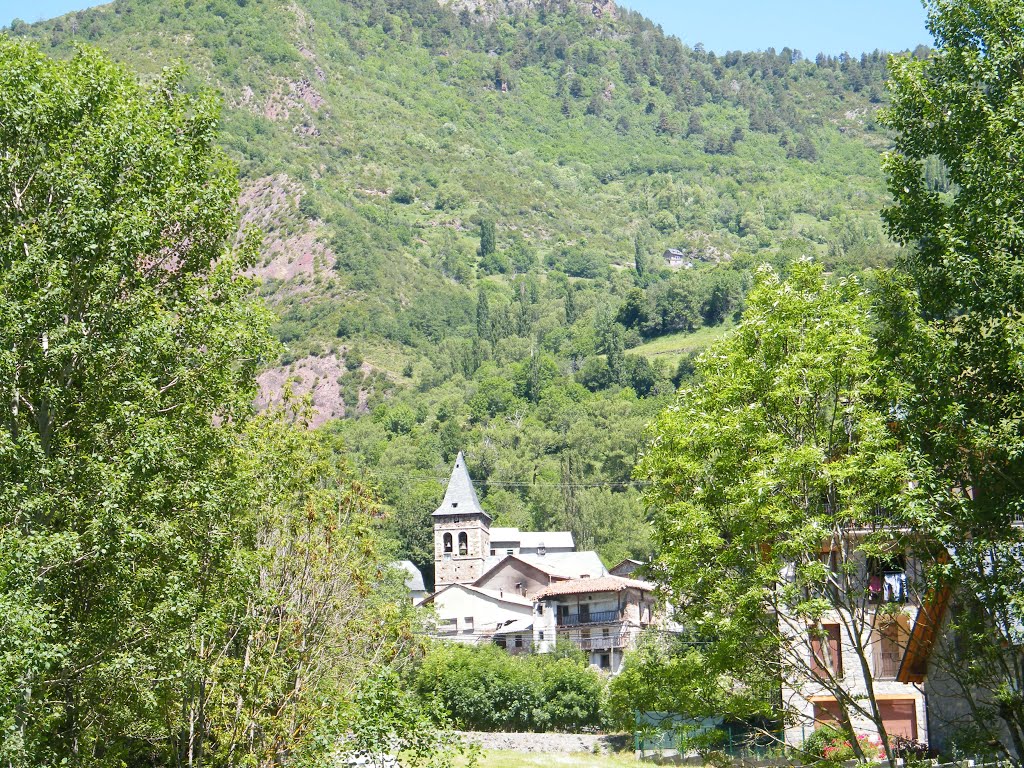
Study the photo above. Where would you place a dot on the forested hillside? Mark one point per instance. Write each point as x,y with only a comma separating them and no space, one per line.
465,210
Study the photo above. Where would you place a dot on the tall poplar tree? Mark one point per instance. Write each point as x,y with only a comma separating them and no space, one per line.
955,328
128,353
180,583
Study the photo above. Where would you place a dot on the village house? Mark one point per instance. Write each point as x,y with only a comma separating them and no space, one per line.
468,614
932,647
881,627
626,568
676,259
413,579
526,590
603,616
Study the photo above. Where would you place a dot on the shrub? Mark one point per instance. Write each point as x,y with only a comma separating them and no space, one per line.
834,746
484,688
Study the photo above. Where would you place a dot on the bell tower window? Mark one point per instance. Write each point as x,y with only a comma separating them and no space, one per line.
447,543
463,544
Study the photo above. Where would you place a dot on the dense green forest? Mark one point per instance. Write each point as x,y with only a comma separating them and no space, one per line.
464,216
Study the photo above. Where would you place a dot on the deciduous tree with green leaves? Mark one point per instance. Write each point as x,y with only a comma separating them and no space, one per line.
778,452
128,356
956,334
180,583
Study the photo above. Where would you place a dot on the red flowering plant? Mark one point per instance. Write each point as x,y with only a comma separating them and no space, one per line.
833,746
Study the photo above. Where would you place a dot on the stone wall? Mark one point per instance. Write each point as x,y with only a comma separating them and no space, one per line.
548,742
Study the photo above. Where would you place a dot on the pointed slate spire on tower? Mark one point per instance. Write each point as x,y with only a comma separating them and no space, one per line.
460,496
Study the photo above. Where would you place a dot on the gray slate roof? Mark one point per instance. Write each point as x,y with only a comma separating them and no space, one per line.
489,594
532,539
414,580
515,626
568,565
460,496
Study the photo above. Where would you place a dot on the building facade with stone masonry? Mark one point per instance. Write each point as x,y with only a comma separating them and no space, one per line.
514,587
934,650
462,540
888,612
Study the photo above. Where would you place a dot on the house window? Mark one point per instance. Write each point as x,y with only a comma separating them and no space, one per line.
887,580
493,553
463,544
510,551
542,634
606,661
519,641
890,643
519,587
826,651
830,590
826,713
448,543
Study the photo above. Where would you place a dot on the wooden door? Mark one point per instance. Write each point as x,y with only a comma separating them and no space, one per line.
899,716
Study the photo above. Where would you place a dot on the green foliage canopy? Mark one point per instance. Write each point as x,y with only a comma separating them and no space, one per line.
485,688
128,356
776,452
955,332
179,582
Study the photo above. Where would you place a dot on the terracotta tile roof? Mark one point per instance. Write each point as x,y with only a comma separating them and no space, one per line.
602,584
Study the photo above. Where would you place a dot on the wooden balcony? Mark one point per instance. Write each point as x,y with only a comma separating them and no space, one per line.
602,642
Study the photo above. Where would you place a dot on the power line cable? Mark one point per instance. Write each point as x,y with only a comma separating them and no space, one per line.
507,483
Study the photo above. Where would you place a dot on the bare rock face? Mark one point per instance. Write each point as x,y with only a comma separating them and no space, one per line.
486,11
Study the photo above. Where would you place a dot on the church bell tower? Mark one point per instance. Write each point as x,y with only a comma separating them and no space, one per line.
462,531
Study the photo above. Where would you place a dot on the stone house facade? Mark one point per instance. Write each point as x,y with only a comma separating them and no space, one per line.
880,627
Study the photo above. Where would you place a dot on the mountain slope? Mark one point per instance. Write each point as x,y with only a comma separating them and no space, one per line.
379,141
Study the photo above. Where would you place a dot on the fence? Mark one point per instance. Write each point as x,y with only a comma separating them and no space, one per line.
667,734
664,735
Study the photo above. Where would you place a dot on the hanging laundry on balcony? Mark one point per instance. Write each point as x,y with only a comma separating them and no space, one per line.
895,587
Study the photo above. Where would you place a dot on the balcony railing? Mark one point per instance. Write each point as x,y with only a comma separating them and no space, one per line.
601,643
594,617
887,664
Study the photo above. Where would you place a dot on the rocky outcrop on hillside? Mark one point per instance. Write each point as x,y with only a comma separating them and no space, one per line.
293,245
486,11
316,377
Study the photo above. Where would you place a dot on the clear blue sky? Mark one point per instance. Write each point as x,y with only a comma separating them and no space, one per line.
811,26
